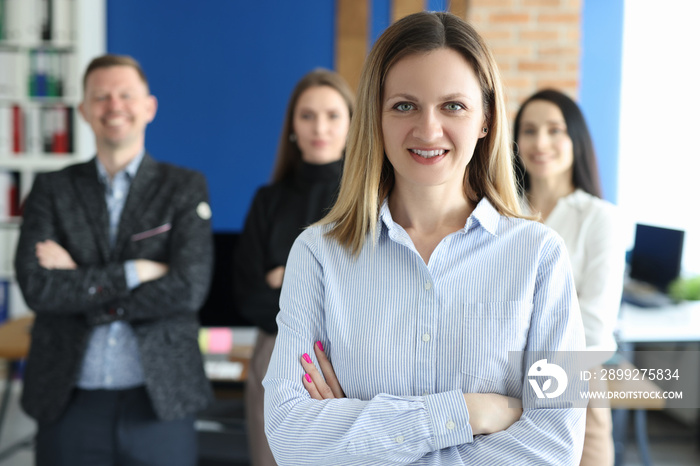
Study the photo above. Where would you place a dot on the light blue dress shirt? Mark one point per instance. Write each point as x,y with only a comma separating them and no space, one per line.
112,358
407,340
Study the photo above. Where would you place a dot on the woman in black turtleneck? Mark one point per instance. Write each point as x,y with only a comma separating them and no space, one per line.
304,186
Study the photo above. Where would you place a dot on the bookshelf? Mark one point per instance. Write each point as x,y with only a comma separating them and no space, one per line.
44,47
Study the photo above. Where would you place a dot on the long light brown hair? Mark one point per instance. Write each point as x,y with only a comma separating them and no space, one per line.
368,177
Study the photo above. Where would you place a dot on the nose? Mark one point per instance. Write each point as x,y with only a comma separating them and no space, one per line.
321,125
114,102
541,139
428,127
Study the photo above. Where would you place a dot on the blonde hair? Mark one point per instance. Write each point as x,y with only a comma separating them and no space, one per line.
368,177
288,152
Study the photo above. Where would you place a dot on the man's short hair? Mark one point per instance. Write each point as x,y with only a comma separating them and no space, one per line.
106,61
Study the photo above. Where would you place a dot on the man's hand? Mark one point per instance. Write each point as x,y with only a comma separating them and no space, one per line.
148,270
52,255
490,412
274,277
314,382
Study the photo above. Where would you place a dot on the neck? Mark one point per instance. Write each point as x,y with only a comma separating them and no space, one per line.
429,214
544,193
115,159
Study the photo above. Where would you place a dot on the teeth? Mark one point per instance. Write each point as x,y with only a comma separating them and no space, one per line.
428,153
115,121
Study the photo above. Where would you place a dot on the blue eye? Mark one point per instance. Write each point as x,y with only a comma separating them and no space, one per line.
403,107
454,106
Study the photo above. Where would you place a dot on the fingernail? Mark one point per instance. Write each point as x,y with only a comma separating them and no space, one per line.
307,377
307,359
320,345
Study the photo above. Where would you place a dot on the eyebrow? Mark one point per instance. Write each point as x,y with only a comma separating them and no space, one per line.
455,95
548,122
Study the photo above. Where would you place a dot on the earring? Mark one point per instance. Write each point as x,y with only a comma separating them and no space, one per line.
292,137
485,130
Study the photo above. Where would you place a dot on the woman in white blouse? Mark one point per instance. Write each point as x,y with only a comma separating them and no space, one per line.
557,170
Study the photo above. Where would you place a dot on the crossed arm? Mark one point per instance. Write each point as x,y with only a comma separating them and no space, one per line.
55,281
488,412
52,255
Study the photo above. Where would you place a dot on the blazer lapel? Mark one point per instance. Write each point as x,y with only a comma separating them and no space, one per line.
143,188
92,197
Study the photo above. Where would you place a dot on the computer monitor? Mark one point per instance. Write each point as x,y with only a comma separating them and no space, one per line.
657,254
219,310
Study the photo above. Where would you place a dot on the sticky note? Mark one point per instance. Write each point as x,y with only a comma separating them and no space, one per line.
204,340
220,340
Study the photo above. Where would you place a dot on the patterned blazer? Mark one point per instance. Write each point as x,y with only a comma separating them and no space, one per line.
165,219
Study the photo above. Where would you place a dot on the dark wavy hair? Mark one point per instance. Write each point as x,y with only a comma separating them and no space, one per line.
585,167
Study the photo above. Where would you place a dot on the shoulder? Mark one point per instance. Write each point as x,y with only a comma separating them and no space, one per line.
592,207
528,238
177,174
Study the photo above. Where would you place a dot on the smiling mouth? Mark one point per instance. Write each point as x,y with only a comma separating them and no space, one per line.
428,154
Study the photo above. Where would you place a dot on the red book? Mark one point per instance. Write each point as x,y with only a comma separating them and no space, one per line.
60,135
17,130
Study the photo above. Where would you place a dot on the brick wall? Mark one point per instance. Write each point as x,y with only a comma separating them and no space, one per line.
536,43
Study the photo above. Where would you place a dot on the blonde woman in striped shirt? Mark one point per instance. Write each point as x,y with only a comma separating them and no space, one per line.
422,279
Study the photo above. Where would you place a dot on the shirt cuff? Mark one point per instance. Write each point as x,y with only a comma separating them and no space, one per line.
132,277
450,419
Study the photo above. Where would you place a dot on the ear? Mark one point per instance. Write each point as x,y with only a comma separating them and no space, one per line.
484,129
152,107
81,109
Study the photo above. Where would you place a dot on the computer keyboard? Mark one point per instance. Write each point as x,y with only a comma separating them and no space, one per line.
644,295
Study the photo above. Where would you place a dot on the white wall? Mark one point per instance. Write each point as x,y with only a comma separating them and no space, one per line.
659,166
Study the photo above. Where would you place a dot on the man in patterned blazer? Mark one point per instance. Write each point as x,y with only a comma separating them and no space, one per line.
115,259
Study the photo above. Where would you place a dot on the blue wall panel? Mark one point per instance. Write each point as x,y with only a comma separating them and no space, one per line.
222,72
601,77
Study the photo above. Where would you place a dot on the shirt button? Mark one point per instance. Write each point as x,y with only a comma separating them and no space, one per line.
425,394
92,290
426,337
399,439
118,194
120,311
108,380
428,285
450,425
112,342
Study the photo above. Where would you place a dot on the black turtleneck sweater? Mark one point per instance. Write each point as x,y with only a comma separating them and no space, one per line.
278,215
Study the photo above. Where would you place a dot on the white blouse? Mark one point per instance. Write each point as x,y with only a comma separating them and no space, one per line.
594,234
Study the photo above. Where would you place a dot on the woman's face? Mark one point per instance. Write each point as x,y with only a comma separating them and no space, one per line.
321,122
546,149
432,118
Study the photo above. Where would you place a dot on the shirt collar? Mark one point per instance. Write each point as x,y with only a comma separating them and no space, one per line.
485,214
130,169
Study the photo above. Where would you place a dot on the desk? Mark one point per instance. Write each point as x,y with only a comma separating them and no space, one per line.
670,324
677,323
14,346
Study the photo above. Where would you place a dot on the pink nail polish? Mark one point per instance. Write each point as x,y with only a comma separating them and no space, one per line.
320,345
307,358
307,377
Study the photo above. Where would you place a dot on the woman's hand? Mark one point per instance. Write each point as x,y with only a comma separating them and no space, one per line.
314,382
274,277
490,412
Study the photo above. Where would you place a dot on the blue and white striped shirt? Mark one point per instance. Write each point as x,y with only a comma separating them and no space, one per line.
407,340
112,360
